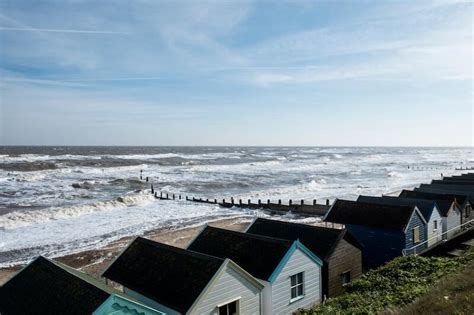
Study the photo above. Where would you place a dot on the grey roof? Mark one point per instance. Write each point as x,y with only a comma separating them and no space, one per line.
426,207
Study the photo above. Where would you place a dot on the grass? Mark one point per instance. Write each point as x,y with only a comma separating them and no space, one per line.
454,294
397,284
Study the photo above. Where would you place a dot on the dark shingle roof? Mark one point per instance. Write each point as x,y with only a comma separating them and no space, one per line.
451,181
457,189
369,214
168,275
420,194
44,287
320,240
444,206
258,255
425,206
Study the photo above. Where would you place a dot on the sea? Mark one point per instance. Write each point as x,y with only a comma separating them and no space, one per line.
61,200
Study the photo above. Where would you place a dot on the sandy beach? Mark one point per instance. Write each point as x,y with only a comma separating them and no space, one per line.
94,262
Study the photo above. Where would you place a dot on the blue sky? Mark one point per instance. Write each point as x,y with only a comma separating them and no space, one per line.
236,72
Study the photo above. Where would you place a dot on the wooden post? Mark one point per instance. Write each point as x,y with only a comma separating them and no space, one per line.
215,200
232,200
156,194
179,197
147,179
161,194
290,202
173,197
187,198
327,202
152,190
167,196
279,201
302,202
268,201
249,201
314,202
223,201
240,201
259,202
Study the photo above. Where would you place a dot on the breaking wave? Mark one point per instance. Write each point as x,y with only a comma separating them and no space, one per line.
17,219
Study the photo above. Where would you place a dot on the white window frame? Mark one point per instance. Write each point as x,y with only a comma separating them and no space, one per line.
301,284
237,302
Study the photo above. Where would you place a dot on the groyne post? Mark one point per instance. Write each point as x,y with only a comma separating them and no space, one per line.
240,201
152,190
279,201
173,197
302,202
259,202
249,201
327,202
314,202
290,202
268,201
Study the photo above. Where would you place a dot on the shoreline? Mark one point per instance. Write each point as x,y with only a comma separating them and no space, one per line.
94,261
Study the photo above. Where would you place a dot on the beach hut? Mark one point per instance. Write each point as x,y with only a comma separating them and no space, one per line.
428,208
463,198
340,252
48,287
179,281
451,211
290,272
385,231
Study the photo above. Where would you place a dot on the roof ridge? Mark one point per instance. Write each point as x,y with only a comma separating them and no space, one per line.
254,236
321,228
178,250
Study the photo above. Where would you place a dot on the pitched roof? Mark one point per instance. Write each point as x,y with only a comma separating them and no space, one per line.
48,288
444,206
171,276
425,206
320,240
453,181
464,189
259,255
369,214
421,194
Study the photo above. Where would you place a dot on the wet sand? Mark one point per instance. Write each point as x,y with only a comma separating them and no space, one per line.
94,262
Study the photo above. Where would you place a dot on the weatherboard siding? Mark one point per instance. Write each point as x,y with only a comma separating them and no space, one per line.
435,235
345,257
415,221
281,293
380,245
452,221
230,286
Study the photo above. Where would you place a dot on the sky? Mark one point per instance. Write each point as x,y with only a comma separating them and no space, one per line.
298,73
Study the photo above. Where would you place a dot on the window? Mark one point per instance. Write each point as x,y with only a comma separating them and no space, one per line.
416,234
435,225
297,286
229,309
346,277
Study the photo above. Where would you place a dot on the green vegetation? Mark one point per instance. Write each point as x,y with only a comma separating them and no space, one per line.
395,284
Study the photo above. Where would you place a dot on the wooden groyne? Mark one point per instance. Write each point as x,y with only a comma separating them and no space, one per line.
313,209
308,209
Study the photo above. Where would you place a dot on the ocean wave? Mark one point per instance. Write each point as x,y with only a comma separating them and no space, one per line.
17,219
